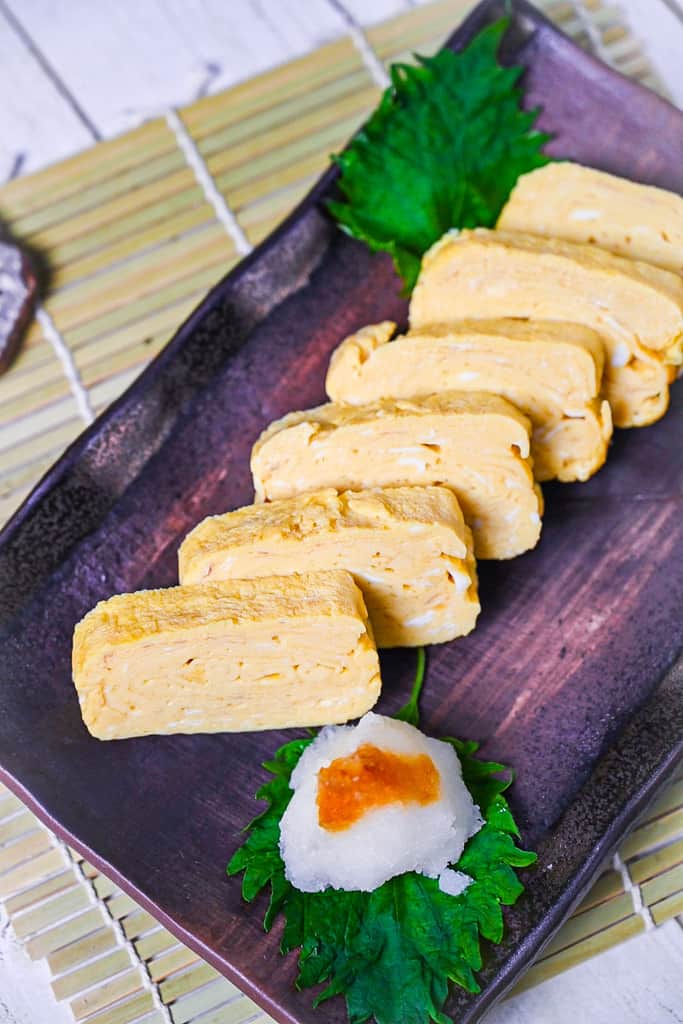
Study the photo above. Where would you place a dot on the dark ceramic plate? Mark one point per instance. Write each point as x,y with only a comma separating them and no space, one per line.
573,676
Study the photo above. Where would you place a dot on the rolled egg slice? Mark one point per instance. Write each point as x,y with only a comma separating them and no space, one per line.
372,801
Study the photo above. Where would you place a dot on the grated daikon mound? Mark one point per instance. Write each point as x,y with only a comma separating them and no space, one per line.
386,841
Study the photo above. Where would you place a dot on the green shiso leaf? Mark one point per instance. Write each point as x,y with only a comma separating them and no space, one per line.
442,150
411,711
391,953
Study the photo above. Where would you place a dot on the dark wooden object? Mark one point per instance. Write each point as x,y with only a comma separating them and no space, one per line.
17,299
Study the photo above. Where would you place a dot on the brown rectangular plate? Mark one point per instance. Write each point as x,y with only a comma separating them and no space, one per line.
573,676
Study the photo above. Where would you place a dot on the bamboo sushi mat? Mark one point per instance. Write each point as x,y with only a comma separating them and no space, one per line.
133,232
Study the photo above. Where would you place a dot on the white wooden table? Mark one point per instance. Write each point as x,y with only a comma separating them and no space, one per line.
74,72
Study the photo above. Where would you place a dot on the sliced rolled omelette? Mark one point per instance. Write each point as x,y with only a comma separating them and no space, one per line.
552,371
227,657
408,549
637,308
566,200
476,444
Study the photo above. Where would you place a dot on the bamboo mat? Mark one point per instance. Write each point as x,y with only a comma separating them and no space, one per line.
132,233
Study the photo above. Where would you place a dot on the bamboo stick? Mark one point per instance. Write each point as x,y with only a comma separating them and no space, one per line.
16,826
147,170
239,1011
134,246
161,967
141,332
40,891
50,912
137,924
607,886
664,885
103,886
84,232
297,77
670,799
24,415
40,419
588,923
303,169
139,278
667,908
75,953
572,955
111,361
154,943
21,386
34,353
33,457
260,230
127,984
302,157
64,933
238,130
9,503
20,461
652,834
120,905
123,360
406,30
9,804
189,980
130,313
303,133
649,865
108,159
106,392
92,972
24,849
125,1012
558,10
274,206
206,998
30,873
